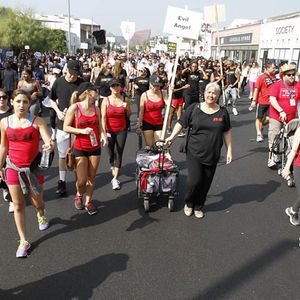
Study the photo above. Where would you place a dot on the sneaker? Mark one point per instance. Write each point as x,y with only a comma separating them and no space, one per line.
6,195
294,219
259,138
23,249
271,163
42,220
112,169
61,188
78,202
91,208
11,207
188,211
199,214
115,184
234,111
169,131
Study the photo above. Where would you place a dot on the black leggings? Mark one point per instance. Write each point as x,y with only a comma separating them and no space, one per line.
116,145
199,180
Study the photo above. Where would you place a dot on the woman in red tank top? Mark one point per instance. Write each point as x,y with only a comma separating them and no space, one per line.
20,135
294,158
83,120
150,119
114,111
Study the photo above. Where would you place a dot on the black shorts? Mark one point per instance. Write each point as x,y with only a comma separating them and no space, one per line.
262,110
78,153
148,126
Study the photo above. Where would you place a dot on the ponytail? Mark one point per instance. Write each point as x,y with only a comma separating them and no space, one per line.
74,98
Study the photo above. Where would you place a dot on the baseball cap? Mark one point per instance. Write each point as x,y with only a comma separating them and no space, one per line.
156,80
73,67
84,86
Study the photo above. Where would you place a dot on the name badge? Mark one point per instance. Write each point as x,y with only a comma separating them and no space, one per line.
292,102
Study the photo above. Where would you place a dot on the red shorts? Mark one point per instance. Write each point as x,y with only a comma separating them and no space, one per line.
177,102
13,179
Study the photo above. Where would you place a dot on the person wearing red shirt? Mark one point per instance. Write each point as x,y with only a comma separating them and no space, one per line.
115,110
261,98
83,120
150,116
20,136
284,98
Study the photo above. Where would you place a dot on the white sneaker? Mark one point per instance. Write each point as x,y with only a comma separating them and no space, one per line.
11,207
188,211
259,138
271,163
199,214
115,184
234,111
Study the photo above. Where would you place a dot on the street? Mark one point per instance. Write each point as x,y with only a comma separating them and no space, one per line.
244,248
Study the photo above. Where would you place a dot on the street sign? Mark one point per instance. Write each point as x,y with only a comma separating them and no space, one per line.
172,47
183,23
128,29
27,47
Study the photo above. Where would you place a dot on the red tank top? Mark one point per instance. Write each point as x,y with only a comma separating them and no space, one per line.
115,118
82,142
153,111
23,143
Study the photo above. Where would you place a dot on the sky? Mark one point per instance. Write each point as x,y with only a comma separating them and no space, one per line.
151,14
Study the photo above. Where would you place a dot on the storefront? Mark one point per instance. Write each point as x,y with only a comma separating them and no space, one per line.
280,39
240,43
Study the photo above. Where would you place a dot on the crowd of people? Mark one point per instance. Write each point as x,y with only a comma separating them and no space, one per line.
90,99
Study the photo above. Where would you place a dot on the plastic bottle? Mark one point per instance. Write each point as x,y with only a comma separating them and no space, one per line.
93,139
45,160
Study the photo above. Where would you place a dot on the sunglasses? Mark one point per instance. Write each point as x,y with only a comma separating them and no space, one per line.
3,97
289,75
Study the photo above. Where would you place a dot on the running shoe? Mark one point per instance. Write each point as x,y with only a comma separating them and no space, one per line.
78,202
23,248
294,218
61,188
271,163
182,134
115,184
169,131
43,221
199,214
259,138
234,111
188,211
91,208
11,207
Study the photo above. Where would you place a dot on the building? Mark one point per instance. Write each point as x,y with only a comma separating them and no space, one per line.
280,39
80,29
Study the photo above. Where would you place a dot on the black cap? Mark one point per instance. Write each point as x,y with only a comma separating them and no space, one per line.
84,86
114,82
73,67
156,80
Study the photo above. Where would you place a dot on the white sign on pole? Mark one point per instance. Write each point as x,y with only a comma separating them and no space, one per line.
183,23
84,46
128,29
27,47
214,13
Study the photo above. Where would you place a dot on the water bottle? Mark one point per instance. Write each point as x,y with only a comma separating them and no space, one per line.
93,139
44,164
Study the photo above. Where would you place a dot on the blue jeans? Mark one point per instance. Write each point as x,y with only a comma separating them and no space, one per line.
231,91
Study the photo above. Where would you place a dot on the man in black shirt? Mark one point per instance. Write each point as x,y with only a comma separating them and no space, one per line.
60,96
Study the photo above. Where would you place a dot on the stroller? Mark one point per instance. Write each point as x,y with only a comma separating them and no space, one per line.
282,146
156,174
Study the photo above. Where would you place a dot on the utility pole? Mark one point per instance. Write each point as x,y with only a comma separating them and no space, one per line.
69,19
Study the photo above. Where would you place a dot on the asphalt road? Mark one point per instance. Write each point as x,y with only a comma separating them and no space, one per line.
244,248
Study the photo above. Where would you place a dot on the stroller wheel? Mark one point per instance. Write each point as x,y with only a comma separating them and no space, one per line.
146,204
171,203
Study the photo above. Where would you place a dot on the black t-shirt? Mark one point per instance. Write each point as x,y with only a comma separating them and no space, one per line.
193,80
7,113
179,83
205,138
231,77
103,82
142,83
122,78
62,91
